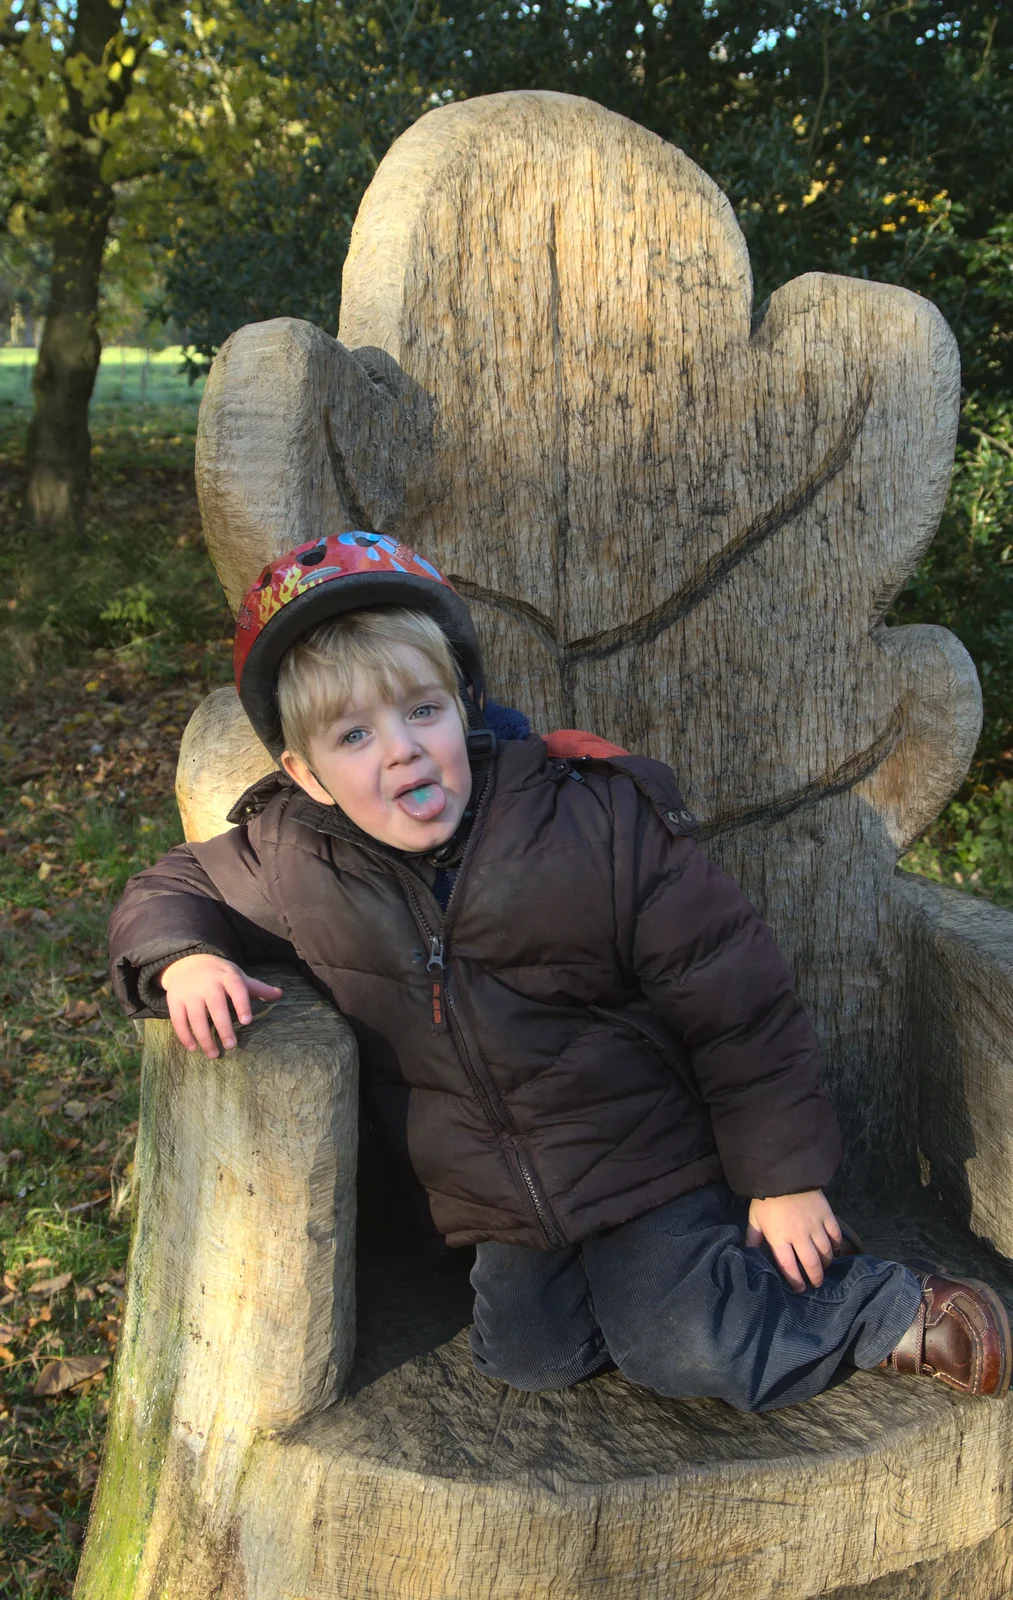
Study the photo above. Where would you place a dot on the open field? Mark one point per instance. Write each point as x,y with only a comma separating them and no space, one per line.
128,376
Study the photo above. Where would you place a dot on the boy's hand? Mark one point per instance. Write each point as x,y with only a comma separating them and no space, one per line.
199,988
800,1229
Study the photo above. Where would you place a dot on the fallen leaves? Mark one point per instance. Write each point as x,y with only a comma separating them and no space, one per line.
69,1372
86,780
29,1511
51,1285
78,1011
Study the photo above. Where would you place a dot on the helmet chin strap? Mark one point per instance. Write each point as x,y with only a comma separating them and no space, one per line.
481,743
480,740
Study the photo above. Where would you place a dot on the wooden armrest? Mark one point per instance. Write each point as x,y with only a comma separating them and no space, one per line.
240,1315
960,1021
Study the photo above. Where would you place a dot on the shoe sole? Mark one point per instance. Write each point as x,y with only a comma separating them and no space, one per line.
997,1308
999,1312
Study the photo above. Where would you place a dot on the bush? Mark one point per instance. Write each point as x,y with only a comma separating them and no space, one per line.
971,845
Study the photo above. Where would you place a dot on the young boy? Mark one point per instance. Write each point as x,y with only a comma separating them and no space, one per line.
574,1030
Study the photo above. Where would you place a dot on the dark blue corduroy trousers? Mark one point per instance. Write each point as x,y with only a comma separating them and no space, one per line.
680,1306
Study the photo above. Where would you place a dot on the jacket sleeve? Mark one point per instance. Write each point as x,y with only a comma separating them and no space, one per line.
198,898
709,966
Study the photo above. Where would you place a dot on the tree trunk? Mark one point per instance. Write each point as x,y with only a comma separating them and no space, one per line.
80,207
59,444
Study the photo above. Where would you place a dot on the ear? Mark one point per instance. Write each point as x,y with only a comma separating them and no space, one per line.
300,773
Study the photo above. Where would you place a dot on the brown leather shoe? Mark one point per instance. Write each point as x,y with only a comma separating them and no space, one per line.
961,1336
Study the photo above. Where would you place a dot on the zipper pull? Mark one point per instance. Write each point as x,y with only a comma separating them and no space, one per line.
434,966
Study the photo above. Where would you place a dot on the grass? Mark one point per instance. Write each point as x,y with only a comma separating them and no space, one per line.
128,376
106,646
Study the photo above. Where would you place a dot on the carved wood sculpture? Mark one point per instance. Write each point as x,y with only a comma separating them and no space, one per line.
679,527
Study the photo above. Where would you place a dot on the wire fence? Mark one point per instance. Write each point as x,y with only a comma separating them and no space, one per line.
128,375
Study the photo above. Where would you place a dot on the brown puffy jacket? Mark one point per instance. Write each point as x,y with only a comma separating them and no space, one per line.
612,1024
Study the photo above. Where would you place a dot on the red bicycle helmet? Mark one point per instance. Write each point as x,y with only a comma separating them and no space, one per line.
340,572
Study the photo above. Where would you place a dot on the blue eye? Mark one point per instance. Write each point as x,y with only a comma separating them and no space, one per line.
353,736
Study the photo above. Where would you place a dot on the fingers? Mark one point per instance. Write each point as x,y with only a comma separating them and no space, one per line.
194,1011
809,1261
236,987
199,995
178,1018
754,1236
824,1244
784,1255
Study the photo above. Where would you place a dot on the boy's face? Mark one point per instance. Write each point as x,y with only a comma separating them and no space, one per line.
400,771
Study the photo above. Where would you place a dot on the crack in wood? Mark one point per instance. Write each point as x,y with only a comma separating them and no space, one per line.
844,776
534,620
350,502
713,572
562,475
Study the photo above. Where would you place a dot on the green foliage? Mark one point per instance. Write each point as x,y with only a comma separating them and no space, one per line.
783,105
288,229
965,581
972,845
134,613
138,582
340,83
176,600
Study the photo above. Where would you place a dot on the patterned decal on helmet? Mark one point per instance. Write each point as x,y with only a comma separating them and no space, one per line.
316,562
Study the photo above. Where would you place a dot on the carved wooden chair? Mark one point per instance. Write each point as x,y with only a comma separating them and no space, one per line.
680,523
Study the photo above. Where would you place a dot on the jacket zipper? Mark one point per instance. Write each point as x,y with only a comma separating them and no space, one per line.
529,1182
435,966
508,1133
442,1008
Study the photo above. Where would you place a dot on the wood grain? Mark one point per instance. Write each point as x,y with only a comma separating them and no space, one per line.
960,1032
431,1481
297,435
240,1315
680,523
219,757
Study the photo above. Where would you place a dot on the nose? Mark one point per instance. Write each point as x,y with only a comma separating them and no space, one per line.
400,745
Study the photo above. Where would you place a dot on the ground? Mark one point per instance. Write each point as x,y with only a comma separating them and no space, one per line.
88,742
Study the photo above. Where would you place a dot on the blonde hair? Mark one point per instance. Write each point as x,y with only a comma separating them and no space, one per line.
316,675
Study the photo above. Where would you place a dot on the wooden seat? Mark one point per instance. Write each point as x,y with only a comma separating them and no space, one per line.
680,524
432,1480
